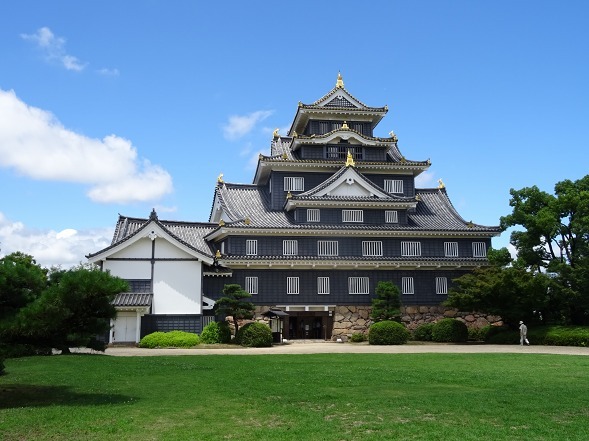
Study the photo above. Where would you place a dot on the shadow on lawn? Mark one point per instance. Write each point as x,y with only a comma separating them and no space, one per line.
31,395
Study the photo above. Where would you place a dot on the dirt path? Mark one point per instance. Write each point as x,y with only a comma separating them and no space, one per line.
356,348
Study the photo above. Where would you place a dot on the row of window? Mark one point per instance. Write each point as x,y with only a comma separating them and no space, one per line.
370,248
298,184
390,216
356,285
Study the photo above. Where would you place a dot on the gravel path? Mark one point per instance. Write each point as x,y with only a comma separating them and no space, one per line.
356,348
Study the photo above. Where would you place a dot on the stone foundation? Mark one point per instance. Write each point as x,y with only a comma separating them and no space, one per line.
349,320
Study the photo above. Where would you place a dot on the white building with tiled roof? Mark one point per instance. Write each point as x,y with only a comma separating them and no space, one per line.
331,211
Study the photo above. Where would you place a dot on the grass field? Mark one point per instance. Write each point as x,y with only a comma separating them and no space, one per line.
297,397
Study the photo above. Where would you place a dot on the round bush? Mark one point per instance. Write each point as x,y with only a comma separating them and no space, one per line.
423,332
172,339
216,332
254,335
357,337
450,330
388,333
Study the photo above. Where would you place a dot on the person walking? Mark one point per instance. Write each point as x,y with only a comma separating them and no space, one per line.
523,334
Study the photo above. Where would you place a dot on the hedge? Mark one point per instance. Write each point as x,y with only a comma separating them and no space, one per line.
172,339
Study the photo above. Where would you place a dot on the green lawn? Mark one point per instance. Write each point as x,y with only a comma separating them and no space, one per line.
297,397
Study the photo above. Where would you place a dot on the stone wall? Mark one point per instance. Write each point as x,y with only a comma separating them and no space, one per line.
348,320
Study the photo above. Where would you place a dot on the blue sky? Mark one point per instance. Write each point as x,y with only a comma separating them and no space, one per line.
117,107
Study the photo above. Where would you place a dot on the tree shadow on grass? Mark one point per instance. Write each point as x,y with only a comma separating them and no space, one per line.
32,395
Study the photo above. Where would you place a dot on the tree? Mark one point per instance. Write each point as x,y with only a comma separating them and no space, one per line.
233,304
387,303
72,311
555,239
504,288
21,281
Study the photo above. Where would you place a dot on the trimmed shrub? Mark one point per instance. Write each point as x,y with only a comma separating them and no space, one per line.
216,332
388,333
172,339
254,335
357,337
449,330
423,332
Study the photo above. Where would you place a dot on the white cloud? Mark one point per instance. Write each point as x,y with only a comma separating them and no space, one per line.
64,248
239,126
35,144
425,180
105,71
53,48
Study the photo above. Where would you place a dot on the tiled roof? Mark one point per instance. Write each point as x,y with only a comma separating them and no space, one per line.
325,99
130,299
190,234
434,212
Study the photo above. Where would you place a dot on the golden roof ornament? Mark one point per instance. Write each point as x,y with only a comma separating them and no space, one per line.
218,254
418,198
441,183
284,156
470,225
393,136
288,195
220,178
403,160
247,221
339,84
295,134
345,125
221,223
275,133
350,160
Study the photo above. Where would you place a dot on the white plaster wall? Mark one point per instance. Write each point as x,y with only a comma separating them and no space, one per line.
177,287
139,248
129,269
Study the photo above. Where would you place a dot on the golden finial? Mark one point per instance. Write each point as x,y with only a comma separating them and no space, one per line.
418,198
300,104
288,195
345,125
403,160
294,134
247,221
441,183
221,223
350,160
470,225
220,179
275,133
340,81
393,136
218,254
284,156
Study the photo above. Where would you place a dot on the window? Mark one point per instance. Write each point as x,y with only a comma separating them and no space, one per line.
451,249
322,285
358,285
372,248
407,283
410,248
292,285
313,215
479,249
352,216
327,248
393,185
251,247
441,285
341,152
290,247
391,217
294,184
140,285
251,285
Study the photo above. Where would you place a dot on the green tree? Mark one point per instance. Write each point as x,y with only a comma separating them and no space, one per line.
387,303
21,281
234,304
512,292
72,311
553,237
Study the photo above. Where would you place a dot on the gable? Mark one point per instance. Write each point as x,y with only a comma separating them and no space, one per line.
351,184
